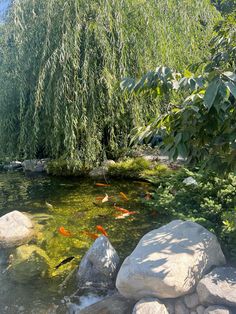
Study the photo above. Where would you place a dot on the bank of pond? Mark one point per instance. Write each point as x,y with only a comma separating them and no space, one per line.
70,214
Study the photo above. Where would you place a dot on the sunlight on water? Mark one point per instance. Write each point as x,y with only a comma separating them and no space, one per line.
71,203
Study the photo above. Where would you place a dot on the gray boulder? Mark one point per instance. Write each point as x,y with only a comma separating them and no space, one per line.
150,306
99,172
180,307
99,266
191,300
200,309
15,229
115,304
169,262
217,310
35,165
218,287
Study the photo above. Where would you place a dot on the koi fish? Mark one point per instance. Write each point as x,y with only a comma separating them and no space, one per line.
124,196
102,184
121,209
93,236
102,230
65,261
105,199
49,205
124,215
64,232
100,198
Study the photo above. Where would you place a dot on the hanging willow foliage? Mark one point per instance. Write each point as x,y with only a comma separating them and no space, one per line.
62,62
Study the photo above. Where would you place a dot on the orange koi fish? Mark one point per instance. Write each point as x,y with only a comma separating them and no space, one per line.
124,196
124,215
102,230
102,184
93,236
121,209
64,232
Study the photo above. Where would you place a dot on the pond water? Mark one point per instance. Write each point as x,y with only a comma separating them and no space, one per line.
69,202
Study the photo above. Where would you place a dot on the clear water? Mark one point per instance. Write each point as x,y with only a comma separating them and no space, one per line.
74,207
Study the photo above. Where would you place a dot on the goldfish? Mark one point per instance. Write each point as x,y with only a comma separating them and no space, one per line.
102,230
124,196
124,215
105,199
93,236
65,261
121,209
100,198
64,232
102,184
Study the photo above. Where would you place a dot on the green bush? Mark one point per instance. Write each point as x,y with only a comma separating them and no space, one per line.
212,202
129,168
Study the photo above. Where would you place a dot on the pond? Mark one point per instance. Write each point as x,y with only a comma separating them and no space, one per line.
69,202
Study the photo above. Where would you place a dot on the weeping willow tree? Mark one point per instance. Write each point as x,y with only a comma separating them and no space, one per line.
62,62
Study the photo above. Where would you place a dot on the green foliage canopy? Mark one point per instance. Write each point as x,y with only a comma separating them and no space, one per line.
62,61
203,126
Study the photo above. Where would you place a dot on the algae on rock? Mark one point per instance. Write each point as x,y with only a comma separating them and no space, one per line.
27,263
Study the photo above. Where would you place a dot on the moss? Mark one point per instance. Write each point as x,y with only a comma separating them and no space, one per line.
129,168
157,170
28,263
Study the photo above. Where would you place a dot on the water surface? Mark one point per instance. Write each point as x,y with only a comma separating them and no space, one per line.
73,206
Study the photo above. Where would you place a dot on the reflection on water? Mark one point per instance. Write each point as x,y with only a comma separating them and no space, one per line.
73,206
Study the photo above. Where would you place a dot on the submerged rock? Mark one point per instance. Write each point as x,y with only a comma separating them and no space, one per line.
27,263
98,268
115,304
169,262
15,229
218,287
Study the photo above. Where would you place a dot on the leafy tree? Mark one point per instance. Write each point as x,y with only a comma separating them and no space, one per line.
62,62
225,6
203,126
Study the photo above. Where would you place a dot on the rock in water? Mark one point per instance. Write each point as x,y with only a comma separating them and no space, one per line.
169,262
99,266
15,229
115,304
28,262
218,287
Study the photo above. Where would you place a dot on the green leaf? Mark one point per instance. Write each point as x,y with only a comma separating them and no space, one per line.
182,150
231,87
211,93
178,138
188,74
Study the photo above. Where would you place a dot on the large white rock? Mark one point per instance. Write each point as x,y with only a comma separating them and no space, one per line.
15,229
150,306
99,266
217,310
218,287
169,262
